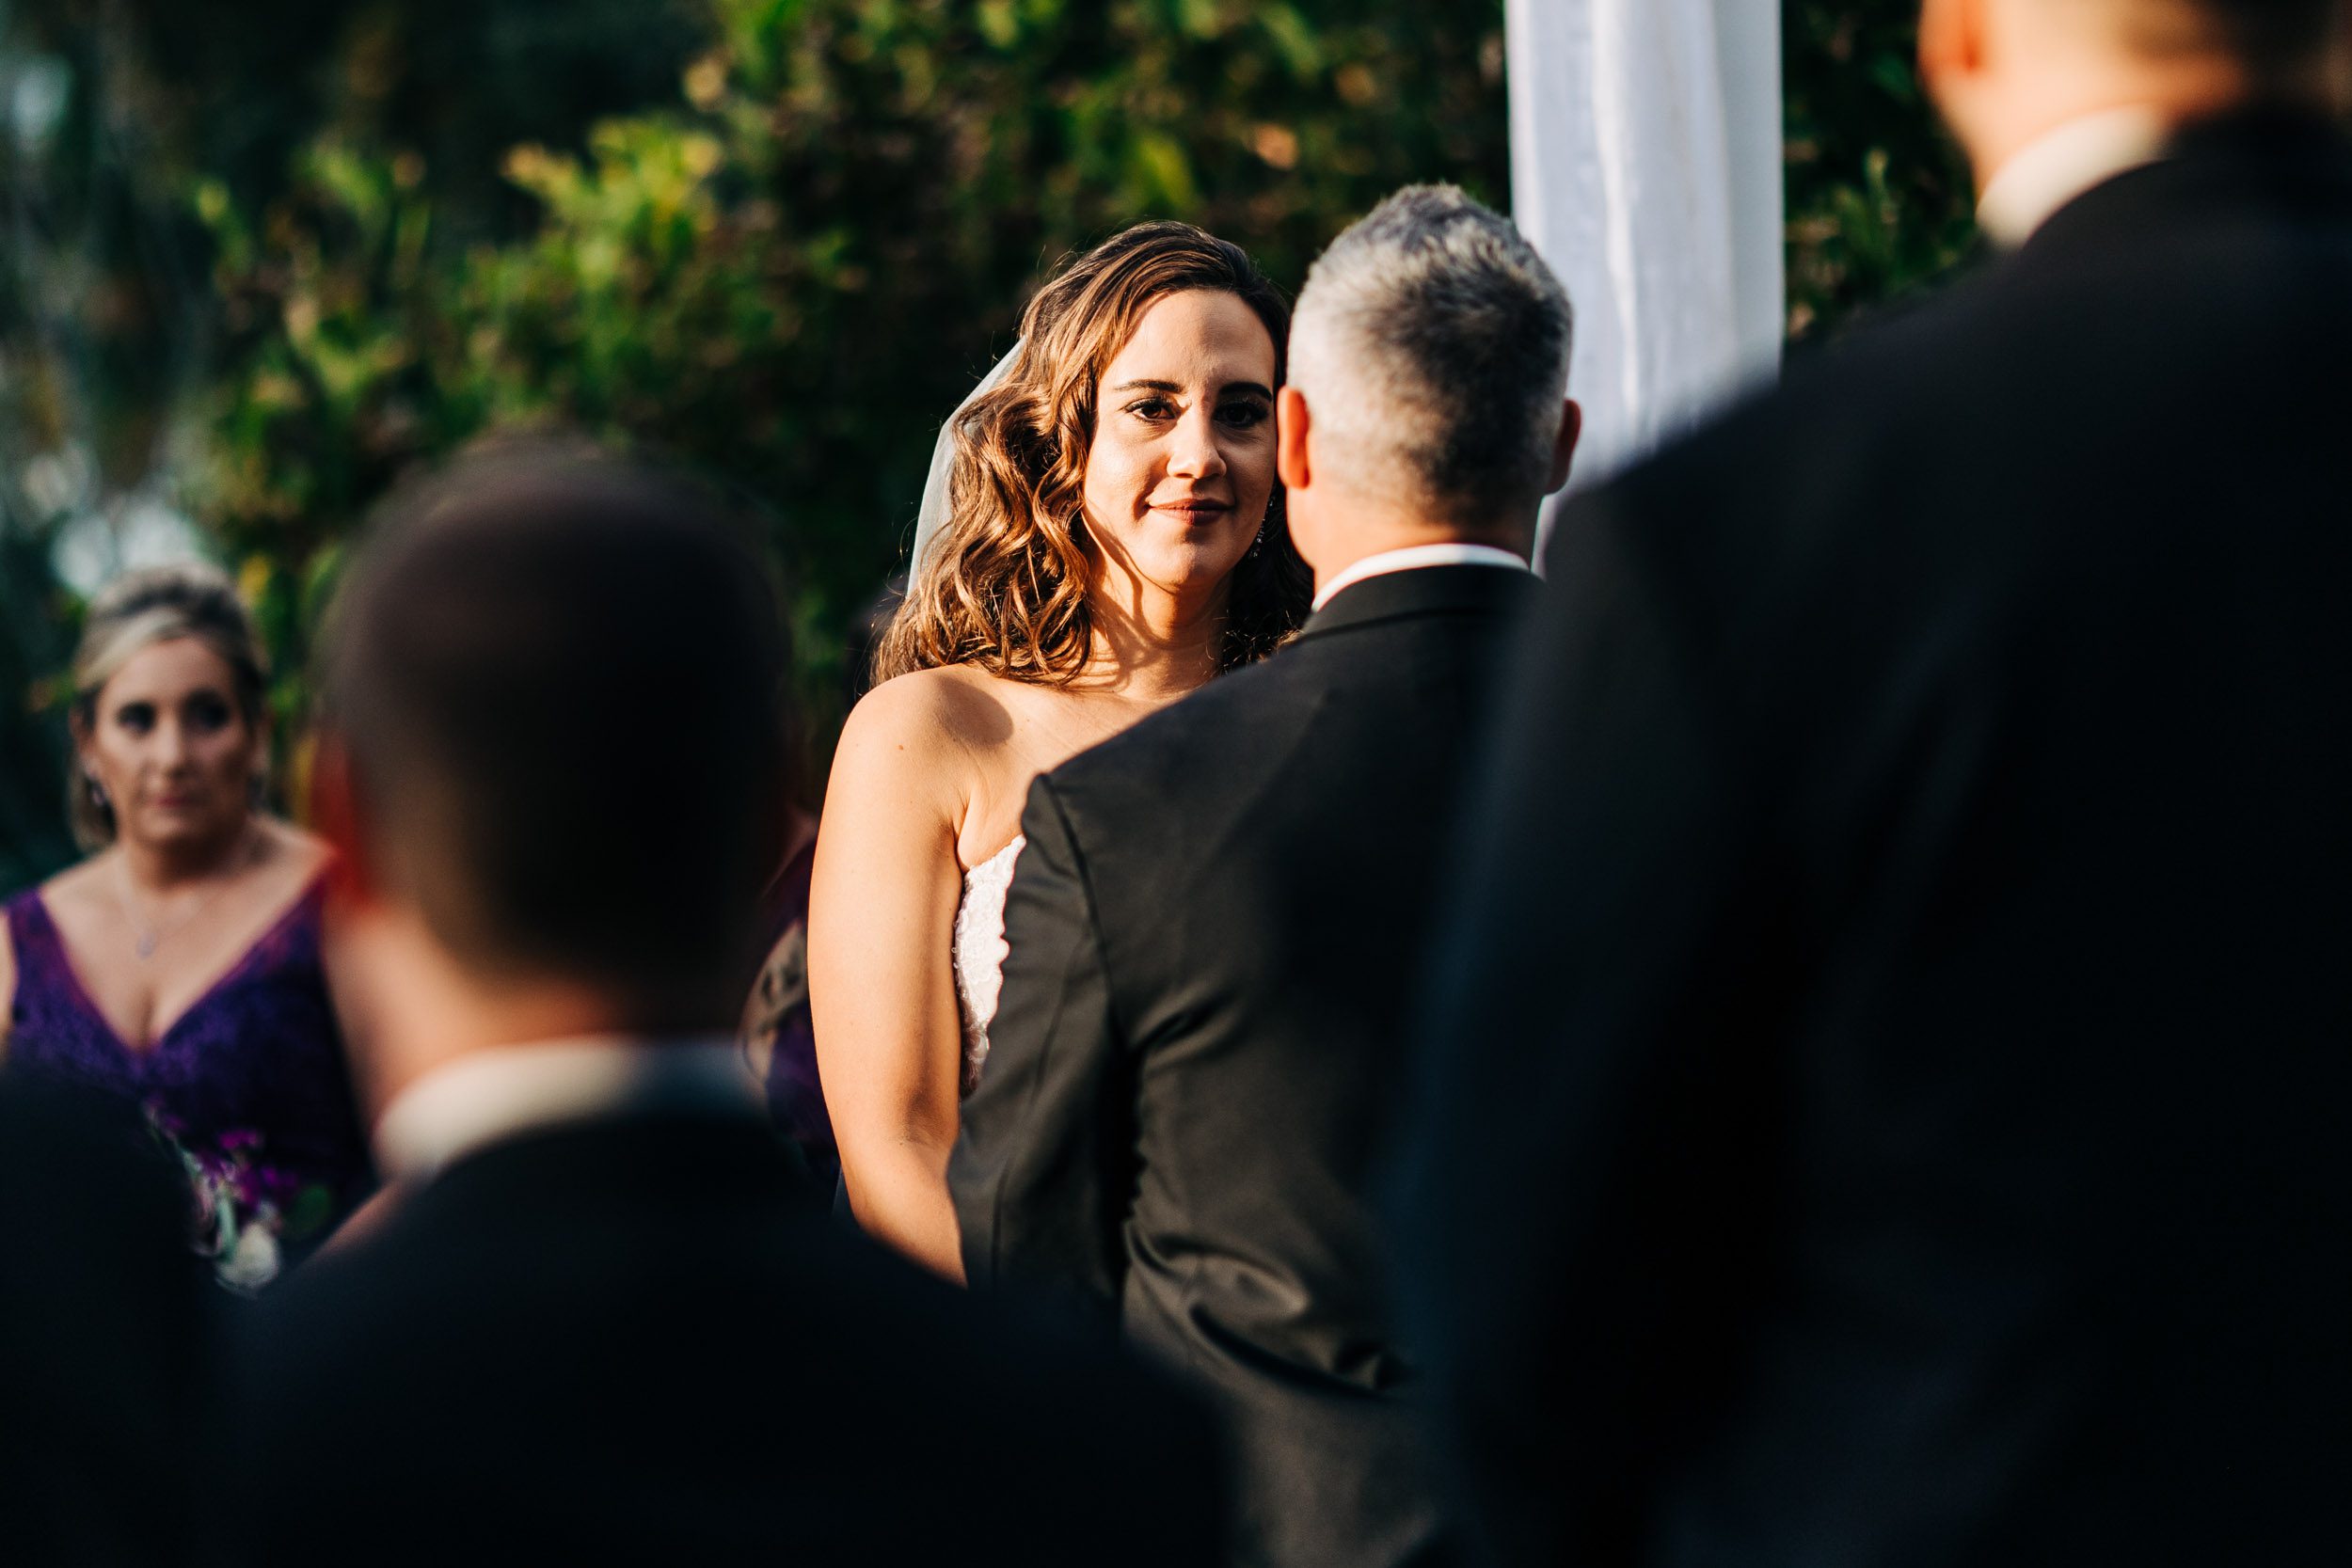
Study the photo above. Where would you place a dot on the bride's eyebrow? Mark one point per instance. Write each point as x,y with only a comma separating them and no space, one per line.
1241,389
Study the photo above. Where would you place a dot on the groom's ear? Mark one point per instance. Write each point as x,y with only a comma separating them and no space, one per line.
1291,420
336,816
1951,40
1564,445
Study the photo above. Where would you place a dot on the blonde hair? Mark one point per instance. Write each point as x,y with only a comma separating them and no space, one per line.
1005,589
132,613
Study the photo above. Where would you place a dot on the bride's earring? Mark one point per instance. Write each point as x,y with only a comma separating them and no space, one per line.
97,792
1258,544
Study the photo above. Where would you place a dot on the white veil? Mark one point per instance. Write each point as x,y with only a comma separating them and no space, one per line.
932,520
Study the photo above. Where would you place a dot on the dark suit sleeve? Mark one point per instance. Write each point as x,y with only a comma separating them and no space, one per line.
1043,1168
1582,1192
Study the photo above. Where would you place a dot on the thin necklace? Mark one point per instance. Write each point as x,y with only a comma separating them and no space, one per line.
150,938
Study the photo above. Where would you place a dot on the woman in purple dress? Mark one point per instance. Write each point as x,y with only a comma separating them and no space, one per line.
179,966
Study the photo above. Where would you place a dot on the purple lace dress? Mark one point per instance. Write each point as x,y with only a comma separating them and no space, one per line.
249,1083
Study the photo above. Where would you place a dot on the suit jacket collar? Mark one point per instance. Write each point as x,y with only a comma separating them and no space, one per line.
2078,156
2252,164
1425,590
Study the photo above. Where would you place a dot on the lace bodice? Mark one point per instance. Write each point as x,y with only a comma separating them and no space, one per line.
978,952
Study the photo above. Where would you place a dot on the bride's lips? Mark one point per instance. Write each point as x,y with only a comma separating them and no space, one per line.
1195,510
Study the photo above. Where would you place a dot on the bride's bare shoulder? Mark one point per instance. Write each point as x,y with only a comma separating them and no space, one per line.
928,713
914,752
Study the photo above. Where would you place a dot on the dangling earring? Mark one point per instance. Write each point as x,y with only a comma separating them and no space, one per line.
97,792
1258,544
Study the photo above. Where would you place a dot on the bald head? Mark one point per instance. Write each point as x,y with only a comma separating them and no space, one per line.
2271,37
2007,72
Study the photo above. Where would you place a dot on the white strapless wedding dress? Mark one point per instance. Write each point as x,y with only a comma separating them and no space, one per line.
978,952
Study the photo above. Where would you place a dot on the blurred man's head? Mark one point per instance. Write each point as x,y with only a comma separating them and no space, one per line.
2006,72
1428,374
554,757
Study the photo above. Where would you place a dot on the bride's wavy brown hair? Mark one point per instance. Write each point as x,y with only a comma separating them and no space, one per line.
1006,586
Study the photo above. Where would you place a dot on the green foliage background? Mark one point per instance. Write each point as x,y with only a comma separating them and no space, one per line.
252,273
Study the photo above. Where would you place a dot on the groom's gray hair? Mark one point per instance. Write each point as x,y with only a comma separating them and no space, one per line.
1431,344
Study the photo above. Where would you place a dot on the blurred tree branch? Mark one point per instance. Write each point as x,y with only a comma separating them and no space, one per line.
254,272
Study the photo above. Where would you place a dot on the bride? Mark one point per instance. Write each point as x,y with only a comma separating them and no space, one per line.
1110,545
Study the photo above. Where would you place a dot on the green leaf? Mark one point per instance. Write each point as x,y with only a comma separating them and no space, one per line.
1293,38
1160,164
999,22
1896,77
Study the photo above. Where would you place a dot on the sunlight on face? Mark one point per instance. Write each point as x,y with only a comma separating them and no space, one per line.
170,747
1182,465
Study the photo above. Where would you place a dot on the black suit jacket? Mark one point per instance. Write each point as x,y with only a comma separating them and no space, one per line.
103,1309
1199,1051
633,1341
1889,1073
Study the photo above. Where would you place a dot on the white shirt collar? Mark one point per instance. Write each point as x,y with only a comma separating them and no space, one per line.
1414,559
487,1097
2067,162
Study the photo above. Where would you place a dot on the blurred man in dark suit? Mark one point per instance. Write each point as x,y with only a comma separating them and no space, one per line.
1890,1068
599,1324
1201,1047
104,1305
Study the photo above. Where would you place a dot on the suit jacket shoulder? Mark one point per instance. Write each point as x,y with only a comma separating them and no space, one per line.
658,1353
1398,637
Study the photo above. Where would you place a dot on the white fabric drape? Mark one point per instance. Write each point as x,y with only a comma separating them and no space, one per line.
1645,154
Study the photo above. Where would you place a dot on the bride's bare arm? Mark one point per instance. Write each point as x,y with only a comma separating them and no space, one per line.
880,991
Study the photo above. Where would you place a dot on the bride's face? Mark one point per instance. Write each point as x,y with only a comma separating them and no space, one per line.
1182,467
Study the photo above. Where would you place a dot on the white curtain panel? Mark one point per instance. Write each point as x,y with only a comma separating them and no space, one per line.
1646,165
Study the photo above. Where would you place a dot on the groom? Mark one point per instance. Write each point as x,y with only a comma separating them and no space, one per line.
1216,923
